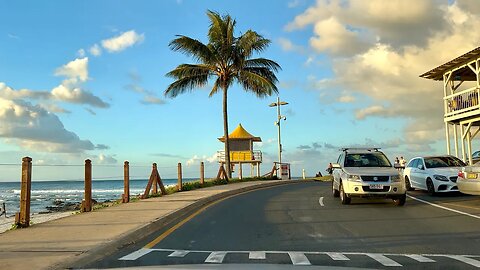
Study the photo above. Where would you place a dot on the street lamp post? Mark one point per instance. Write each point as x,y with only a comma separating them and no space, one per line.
277,123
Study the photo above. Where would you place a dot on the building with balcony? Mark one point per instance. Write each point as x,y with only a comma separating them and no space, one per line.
241,150
461,91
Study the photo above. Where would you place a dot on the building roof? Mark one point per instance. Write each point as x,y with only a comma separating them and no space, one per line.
465,74
239,133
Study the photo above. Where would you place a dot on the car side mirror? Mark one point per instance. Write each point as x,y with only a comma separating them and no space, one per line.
420,167
336,166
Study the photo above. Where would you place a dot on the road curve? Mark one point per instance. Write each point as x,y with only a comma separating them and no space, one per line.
304,225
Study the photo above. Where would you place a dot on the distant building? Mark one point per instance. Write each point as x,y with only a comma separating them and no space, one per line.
241,150
461,91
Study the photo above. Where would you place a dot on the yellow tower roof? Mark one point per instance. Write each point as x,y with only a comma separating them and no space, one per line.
240,133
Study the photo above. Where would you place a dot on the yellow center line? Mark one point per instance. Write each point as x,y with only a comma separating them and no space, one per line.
178,225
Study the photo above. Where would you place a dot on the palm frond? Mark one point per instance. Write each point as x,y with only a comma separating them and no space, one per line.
260,81
189,70
251,42
262,62
215,87
192,47
185,84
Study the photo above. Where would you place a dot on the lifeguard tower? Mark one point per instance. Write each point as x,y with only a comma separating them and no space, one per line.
241,151
461,91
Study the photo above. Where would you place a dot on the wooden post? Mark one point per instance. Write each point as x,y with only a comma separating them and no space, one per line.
126,182
240,176
179,184
22,218
155,179
87,200
202,173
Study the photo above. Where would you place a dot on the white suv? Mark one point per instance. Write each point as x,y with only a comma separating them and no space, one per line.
366,172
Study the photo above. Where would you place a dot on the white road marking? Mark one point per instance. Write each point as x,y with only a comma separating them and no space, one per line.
216,257
179,253
257,255
135,255
443,207
419,258
298,258
382,259
465,260
337,256
320,201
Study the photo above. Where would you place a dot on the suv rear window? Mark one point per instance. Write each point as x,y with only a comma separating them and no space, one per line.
374,159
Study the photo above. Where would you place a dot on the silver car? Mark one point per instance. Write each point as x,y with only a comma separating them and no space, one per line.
366,172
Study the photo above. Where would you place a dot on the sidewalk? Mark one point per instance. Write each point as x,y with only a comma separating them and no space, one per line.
85,237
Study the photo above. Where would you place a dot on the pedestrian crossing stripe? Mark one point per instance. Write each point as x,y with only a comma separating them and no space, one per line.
300,257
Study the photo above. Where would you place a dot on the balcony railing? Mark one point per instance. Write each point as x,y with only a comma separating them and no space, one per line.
462,103
241,156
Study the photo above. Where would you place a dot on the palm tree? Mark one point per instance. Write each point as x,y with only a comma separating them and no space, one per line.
226,59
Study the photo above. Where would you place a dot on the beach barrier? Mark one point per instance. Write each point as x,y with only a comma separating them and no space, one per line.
87,199
22,218
154,181
3,209
179,173
126,182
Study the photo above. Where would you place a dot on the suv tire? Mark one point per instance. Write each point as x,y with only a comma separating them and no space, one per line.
335,192
408,185
400,201
343,196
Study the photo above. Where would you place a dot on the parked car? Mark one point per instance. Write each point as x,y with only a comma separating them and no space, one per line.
433,173
366,172
475,157
468,181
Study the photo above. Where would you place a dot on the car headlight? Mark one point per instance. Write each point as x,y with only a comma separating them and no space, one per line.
395,178
440,177
354,177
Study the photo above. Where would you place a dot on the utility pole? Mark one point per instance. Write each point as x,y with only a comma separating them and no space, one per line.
277,123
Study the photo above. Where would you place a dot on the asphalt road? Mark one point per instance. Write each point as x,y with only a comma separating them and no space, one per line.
302,224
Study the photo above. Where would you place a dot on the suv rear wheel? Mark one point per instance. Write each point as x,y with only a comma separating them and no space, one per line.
343,196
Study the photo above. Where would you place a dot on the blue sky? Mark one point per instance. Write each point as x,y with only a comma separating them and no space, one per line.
85,79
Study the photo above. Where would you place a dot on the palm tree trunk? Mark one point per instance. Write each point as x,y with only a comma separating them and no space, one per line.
225,133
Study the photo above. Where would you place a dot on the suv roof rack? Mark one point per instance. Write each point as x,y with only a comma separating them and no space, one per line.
345,149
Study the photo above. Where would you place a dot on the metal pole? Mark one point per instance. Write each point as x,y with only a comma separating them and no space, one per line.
202,173
279,138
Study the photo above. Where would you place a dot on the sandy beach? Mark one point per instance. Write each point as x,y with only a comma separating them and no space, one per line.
7,222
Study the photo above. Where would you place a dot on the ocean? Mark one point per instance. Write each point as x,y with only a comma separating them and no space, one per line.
45,193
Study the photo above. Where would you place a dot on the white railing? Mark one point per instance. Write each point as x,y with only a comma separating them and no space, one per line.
241,156
462,102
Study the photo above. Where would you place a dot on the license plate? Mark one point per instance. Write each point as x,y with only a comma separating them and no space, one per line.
375,186
471,175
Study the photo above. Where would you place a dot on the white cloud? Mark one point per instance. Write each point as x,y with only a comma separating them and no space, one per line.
78,96
152,100
122,41
334,37
346,99
105,159
288,45
195,160
33,128
76,69
81,53
411,37
95,50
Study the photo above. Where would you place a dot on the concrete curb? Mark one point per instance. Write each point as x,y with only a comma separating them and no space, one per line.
142,232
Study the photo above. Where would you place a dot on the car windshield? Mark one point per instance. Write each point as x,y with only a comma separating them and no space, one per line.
376,159
441,162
